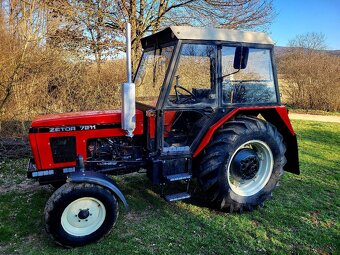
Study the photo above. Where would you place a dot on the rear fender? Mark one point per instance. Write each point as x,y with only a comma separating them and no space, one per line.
278,116
98,179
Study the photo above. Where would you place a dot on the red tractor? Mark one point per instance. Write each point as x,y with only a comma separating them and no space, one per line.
208,107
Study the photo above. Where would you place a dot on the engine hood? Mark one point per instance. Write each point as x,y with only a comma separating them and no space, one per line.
79,118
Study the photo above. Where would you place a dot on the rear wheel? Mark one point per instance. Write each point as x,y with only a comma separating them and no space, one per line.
77,214
242,164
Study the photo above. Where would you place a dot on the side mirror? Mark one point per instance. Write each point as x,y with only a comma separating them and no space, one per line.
241,57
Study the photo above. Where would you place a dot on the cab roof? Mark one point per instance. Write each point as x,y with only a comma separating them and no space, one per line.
204,34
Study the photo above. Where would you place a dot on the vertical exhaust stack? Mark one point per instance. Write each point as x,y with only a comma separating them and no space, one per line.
128,117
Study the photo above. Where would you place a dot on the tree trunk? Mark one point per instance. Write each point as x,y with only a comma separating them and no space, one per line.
133,22
161,11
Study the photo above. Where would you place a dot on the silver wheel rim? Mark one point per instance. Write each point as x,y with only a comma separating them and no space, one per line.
76,224
259,181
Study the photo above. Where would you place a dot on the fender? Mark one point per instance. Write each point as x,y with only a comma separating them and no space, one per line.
278,116
99,179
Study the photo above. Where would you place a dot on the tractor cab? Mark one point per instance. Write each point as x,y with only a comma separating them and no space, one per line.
188,77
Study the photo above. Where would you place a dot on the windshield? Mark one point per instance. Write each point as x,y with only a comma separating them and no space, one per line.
151,73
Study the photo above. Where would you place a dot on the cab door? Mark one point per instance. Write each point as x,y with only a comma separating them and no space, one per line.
192,98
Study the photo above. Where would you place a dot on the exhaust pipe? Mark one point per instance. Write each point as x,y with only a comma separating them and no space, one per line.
128,116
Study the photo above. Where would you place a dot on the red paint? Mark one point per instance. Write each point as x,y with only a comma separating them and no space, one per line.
82,118
40,142
43,155
35,151
43,143
281,110
212,130
169,117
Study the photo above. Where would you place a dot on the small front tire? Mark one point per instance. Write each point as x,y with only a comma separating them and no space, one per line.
78,214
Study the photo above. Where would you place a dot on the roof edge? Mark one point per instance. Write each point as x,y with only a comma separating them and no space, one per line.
205,34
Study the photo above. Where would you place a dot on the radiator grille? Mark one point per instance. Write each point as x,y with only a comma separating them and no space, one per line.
63,149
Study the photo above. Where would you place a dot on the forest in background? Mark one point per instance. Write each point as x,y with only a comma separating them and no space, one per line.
66,55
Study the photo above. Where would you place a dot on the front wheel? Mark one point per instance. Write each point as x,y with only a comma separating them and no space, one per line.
78,214
242,164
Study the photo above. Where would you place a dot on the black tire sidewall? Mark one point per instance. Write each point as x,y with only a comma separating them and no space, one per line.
260,196
66,239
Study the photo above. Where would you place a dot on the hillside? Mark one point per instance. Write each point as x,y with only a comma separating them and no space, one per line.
283,49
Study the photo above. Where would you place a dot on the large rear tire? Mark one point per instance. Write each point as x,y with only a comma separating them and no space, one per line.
78,214
242,164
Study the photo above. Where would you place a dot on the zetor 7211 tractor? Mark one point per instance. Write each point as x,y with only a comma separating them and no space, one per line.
208,107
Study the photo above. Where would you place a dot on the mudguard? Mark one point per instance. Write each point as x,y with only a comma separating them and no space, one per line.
278,116
99,179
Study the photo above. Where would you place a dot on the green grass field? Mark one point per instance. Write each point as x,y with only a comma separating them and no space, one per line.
302,217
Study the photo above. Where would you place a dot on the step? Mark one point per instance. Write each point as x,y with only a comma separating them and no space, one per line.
177,196
178,149
178,177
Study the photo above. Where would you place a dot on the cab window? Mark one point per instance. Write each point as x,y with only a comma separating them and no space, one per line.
151,74
193,82
252,85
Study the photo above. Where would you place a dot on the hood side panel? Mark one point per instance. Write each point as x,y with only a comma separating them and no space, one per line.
82,118
82,126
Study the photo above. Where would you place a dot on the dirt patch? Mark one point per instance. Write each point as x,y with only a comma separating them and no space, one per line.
23,186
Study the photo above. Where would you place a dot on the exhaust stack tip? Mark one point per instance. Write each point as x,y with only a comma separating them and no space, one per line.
128,53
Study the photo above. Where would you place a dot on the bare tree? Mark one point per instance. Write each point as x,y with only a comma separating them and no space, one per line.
309,41
80,26
23,37
59,55
151,16
99,24
311,74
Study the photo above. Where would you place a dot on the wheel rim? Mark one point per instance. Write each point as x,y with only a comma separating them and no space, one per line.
251,182
83,216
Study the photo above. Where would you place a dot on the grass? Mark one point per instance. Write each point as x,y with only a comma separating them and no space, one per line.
302,217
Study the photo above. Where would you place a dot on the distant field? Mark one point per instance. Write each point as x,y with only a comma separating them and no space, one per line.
302,217
314,112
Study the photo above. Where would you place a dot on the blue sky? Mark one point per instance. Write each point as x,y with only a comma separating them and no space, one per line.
302,16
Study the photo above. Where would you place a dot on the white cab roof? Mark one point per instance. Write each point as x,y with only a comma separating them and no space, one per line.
219,34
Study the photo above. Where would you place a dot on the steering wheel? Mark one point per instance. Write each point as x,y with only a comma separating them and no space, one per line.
178,99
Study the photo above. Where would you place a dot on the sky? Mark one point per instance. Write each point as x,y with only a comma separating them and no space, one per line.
295,17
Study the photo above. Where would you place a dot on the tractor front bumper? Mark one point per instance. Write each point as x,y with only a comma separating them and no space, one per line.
31,168
33,172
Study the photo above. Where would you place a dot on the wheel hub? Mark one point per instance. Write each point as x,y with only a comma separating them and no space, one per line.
83,214
250,168
245,164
